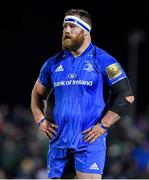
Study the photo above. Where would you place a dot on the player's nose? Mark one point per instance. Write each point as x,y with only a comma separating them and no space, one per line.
67,29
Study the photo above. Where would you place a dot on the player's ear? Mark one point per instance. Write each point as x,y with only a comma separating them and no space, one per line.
85,33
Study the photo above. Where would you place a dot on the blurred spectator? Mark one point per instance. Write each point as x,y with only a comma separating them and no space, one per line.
23,148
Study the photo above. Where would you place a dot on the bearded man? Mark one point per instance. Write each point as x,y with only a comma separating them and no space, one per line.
80,120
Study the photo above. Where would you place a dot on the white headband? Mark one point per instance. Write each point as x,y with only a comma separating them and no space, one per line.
77,21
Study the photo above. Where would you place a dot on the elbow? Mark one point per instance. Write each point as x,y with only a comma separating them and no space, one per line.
130,99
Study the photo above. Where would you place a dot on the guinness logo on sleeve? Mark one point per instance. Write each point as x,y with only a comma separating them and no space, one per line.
113,71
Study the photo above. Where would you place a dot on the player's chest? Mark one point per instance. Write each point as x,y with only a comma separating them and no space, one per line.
71,70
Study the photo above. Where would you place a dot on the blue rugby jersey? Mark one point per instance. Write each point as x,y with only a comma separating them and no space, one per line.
78,87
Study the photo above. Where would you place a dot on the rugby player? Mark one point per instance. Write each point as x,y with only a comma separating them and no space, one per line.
82,115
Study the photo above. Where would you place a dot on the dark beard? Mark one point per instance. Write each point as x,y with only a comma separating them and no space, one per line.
72,44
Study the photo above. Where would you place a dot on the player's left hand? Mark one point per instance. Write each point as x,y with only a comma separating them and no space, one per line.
91,134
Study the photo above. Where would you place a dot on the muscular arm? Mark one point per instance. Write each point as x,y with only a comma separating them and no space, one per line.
111,117
120,100
39,94
108,120
38,97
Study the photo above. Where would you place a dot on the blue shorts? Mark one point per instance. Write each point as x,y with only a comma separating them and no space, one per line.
90,159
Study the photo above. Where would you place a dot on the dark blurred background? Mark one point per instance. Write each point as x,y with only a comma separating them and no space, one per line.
30,33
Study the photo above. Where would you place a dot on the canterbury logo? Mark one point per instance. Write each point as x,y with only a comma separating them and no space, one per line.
88,67
94,167
59,68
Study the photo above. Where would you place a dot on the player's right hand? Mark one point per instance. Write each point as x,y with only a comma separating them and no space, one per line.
49,129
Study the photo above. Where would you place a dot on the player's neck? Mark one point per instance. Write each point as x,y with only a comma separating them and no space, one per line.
84,46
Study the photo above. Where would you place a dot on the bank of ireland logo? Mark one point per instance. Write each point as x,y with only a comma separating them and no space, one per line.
72,76
88,67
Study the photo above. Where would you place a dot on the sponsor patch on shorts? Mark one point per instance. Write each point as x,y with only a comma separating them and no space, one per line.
113,71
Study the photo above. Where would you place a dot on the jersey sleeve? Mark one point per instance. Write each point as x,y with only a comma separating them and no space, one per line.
44,76
112,70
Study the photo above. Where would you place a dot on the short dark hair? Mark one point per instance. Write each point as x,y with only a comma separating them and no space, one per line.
84,15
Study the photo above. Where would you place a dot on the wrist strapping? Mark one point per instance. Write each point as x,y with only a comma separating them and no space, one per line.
41,121
102,126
